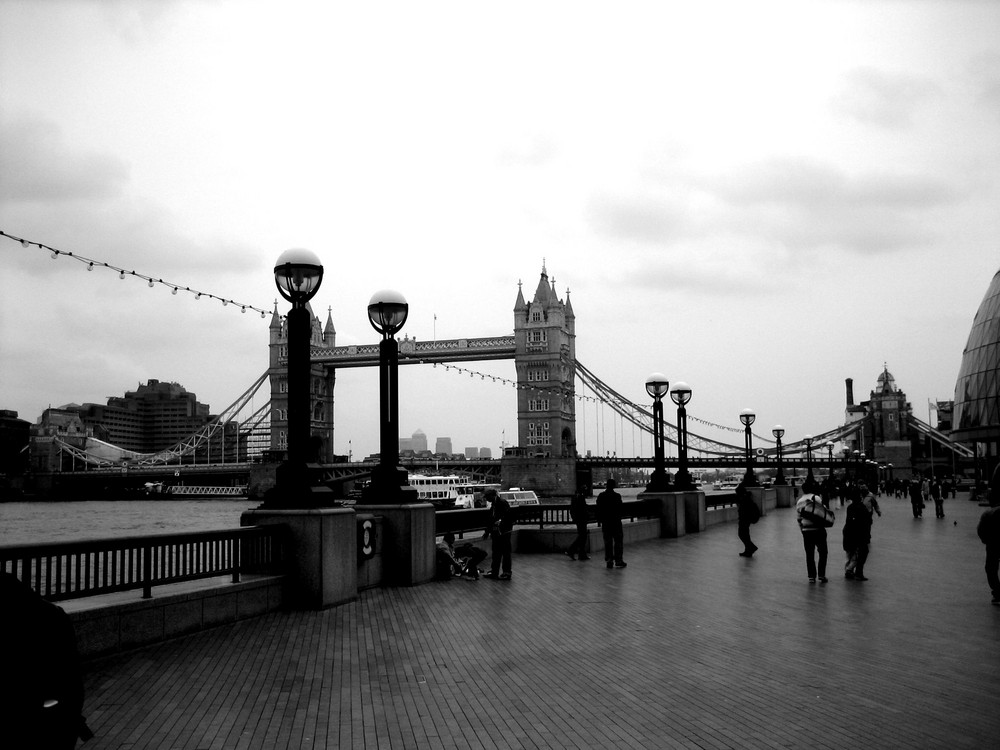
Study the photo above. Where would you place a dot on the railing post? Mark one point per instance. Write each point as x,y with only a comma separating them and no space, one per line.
147,571
237,545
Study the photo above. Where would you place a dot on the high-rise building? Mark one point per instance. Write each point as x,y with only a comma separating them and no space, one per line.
151,418
443,445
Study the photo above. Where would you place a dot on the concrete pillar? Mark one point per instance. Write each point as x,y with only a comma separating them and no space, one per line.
785,496
669,507
408,544
323,568
694,512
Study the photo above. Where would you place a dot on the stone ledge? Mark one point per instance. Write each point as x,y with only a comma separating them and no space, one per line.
103,628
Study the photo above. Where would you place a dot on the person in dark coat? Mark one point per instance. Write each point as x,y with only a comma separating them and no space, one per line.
499,531
916,499
579,513
41,682
609,514
857,535
988,530
747,515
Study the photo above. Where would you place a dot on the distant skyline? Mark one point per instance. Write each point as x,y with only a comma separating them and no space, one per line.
759,199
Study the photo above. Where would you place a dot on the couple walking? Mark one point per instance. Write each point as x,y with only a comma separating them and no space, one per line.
609,515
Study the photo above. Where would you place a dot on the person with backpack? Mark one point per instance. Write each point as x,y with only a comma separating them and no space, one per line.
814,518
748,513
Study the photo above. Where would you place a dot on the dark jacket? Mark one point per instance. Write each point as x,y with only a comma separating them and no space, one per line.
609,508
578,510
989,527
501,517
858,526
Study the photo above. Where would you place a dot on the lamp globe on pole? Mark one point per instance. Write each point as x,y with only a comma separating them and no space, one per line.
810,484
657,386
779,432
298,274
747,417
387,312
680,394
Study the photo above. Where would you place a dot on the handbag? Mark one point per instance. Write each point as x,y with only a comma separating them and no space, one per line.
815,511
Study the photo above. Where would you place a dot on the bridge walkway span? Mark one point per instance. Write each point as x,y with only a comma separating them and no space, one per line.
690,646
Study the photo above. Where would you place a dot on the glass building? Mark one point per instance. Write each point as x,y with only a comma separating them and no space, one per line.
977,390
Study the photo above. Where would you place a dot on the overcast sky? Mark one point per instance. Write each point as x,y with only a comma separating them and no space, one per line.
761,199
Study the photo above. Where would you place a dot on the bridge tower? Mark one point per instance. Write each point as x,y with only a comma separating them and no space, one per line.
321,386
545,363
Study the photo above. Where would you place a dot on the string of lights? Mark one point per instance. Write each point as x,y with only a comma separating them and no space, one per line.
559,390
123,273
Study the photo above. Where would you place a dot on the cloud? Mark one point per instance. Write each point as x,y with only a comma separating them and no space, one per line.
887,100
528,150
805,204
36,166
777,208
646,217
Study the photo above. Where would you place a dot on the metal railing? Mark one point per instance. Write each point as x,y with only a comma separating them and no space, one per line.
470,520
71,570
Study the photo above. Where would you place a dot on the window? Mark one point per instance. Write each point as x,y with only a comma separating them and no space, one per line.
536,316
538,404
537,337
537,375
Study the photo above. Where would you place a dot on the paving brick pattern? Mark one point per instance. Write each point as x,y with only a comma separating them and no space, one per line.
691,646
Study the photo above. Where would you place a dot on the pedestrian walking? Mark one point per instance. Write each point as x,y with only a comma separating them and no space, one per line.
747,514
916,499
499,532
814,519
609,514
857,537
989,534
938,497
579,513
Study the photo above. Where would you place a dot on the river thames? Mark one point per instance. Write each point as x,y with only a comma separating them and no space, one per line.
70,521
43,522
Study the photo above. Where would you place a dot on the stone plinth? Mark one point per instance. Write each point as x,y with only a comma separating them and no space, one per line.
407,545
323,569
785,495
669,508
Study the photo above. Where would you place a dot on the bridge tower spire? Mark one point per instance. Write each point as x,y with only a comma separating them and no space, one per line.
322,382
545,363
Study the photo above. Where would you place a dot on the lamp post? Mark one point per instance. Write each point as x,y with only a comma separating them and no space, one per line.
747,417
829,457
810,482
680,394
298,274
387,311
656,386
779,432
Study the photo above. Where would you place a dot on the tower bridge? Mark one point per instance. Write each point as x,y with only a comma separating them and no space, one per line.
546,376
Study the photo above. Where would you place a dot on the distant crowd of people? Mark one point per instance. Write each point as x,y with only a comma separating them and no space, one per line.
813,513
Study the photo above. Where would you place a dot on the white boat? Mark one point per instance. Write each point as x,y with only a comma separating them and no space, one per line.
438,490
516,496
471,495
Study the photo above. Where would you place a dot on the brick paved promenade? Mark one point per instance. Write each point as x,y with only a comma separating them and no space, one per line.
691,646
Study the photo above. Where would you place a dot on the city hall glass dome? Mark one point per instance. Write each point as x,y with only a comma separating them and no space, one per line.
977,390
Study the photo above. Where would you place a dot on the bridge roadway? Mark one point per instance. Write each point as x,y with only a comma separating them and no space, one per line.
690,646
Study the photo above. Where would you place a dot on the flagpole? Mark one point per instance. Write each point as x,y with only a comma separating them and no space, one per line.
931,405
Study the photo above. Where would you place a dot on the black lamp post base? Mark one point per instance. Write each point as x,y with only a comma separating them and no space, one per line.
659,482
389,486
294,489
683,482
